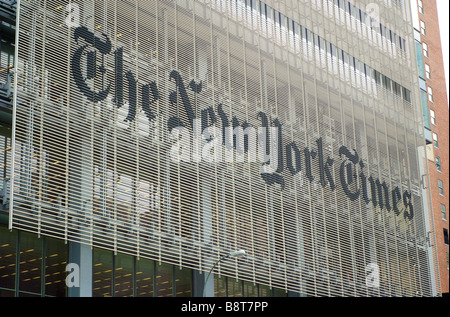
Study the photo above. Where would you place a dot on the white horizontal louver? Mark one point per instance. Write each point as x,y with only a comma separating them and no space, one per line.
90,169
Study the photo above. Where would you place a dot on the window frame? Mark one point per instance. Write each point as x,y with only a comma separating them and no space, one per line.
435,140
423,29
420,5
441,187
425,49
443,212
427,71
430,94
437,160
432,117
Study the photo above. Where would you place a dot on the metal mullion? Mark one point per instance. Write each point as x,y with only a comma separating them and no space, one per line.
275,75
159,213
135,183
230,112
385,238
252,242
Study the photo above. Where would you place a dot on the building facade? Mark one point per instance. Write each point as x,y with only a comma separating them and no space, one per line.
427,25
149,140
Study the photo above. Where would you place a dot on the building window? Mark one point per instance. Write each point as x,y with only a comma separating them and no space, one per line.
438,163
421,6
441,187
433,117
447,261
445,236
435,140
422,28
430,94
443,212
427,71
425,49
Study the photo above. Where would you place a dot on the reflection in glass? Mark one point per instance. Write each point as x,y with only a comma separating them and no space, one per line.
8,245
30,265
220,286
55,267
123,275
144,278
250,289
164,278
234,288
183,282
102,273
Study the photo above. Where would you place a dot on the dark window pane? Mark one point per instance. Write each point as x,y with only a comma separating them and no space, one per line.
8,247
220,286
102,273
123,278
164,278
144,278
234,288
30,265
55,268
183,282
279,292
28,295
250,290
264,291
6,293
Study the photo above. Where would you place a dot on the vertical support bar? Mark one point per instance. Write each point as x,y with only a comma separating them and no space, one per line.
81,254
200,286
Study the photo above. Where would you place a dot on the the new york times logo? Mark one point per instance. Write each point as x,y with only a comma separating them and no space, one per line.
217,137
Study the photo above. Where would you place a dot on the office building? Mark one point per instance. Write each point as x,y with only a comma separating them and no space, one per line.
434,93
149,140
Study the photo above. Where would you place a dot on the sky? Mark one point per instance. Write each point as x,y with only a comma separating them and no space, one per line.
443,16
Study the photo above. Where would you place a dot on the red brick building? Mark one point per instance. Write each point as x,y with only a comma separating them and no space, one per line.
438,152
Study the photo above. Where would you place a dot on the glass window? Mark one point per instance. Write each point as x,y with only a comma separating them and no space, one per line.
387,83
250,289
144,278
443,212
102,273
55,267
420,6
447,261
6,293
445,236
427,71
432,117
183,282
438,163
425,49
234,288
123,275
435,140
263,8
30,265
8,253
430,94
397,88
406,94
377,77
164,280
279,292
441,187
264,291
220,286
422,28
